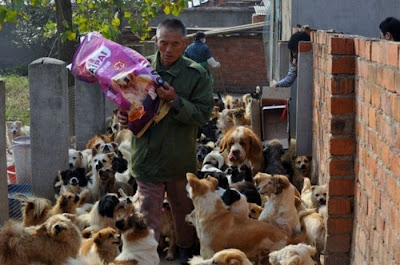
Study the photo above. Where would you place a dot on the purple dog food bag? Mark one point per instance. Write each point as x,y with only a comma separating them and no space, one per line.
125,76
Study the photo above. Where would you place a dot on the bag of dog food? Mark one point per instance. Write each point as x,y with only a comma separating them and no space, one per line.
125,76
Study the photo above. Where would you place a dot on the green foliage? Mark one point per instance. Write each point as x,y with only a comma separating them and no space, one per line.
17,98
105,16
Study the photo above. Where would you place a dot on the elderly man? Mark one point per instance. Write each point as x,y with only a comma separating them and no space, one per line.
167,150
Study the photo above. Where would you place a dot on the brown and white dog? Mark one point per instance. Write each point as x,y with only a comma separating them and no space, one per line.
218,228
53,242
139,246
34,210
240,145
302,169
229,256
300,254
313,196
280,208
105,243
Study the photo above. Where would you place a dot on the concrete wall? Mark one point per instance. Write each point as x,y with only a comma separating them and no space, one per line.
348,16
211,17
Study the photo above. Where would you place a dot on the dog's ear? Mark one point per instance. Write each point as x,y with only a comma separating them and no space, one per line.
95,149
213,181
71,217
8,123
223,144
258,178
80,171
114,145
42,230
19,124
98,238
280,183
115,111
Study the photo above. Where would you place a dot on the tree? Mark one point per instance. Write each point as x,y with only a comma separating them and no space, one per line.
74,19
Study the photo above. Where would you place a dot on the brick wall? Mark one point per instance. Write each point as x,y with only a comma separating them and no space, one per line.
356,146
242,61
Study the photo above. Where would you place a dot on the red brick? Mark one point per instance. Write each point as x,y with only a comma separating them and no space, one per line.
341,64
377,52
385,154
396,165
341,187
394,104
392,53
305,46
365,49
388,79
341,85
338,243
339,206
342,146
340,225
341,46
371,119
341,168
375,96
342,105
397,81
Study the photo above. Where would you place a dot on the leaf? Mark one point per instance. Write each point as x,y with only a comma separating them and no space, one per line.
65,24
167,10
127,14
91,5
116,22
71,35
11,16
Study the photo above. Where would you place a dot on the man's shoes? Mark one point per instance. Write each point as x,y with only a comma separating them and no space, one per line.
184,255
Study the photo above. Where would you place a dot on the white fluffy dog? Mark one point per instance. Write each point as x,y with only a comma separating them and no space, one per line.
300,254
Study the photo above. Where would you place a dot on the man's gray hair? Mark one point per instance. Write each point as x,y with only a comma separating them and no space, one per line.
172,24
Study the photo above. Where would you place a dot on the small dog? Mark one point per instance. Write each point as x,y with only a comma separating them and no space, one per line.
236,202
254,211
229,256
167,231
71,180
34,210
313,196
109,184
78,159
302,169
240,145
66,203
16,129
249,190
280,208
99,139
300,254
138,244
112,122
232,103
105,212
273,152
53,242
105,243
202,151
217,227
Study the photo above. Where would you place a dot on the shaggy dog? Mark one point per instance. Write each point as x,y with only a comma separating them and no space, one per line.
53,242
16,129
300,254
302,169
66,203
229,256
71,180
232,103
225,121
105,212
218,228
280,208
239,117
273,151
105,243
167,231
138,244
34,210
240,145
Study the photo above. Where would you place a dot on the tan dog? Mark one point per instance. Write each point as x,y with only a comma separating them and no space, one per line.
53,242
105,243
229,256
302,169
218,228
99,139
313,196
34,210
280,208
240,145
254,210
300,254
66,203
232,103
138,244
167,231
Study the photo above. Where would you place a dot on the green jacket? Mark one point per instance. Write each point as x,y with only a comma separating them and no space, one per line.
167,150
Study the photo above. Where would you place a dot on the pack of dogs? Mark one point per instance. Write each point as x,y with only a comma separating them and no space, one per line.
253,203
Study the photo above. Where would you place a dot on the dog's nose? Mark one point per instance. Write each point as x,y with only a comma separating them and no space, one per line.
321,201
119,224
99,165
71,165
74,181
58,228
303,166
76,198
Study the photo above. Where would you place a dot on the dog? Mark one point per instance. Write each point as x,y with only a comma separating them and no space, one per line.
300,254
232,103
99,138
225,121
99,161
109,184
313,196
66,203
71,180
105,212
302,169
77,159
229,256
254,210
167,231
249,190
280,208
215,159
236,202
202,151
273,152
240,145
53,242
239,174
239,117
105,243
16,129
112,122
218,228
138,244
34,210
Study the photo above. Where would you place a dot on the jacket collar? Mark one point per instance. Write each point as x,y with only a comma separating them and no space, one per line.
173,70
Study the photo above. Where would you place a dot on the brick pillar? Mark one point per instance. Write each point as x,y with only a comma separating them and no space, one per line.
334,145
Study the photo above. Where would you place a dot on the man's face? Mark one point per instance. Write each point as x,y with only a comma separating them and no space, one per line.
386,36
170,44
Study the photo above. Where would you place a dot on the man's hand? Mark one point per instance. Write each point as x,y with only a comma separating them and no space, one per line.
123,119
166,92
